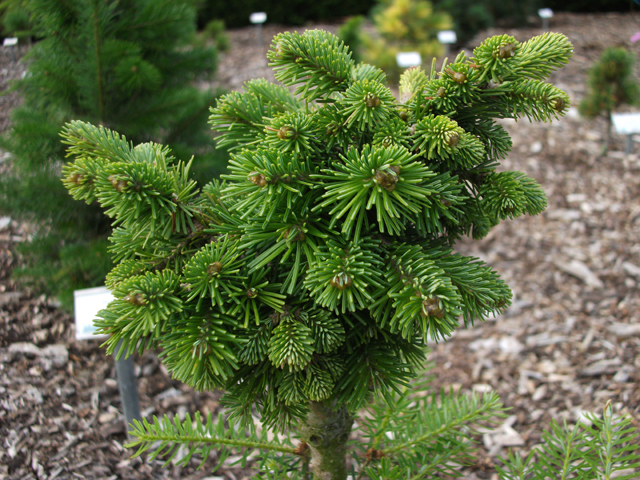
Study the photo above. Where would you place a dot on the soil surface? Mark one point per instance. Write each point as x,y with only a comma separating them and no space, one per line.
569,344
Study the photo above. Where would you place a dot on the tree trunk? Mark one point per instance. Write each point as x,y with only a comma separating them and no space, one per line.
326,431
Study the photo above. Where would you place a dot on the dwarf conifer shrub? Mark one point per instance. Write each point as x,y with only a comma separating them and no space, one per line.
307,283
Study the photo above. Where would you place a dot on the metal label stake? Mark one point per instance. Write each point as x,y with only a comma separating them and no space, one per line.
87,304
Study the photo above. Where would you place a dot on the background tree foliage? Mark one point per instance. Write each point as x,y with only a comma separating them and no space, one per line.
127,65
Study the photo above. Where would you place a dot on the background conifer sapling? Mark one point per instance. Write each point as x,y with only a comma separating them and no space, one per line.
611,84
128,65
308,282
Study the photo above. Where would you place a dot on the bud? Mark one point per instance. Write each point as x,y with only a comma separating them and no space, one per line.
441,92
371,101
507,51
252,293
558,104
214,268
431,308
279,50
452,139
287,133
135,299
342,281
295,234
459,77
257,179
76,178
388,180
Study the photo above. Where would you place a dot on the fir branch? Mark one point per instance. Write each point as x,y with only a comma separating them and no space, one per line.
317,59
451,414
164,437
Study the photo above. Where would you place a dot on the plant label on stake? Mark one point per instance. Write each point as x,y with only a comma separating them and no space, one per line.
87,303
258,18
408,59
447,37
10,42
545,14
626,124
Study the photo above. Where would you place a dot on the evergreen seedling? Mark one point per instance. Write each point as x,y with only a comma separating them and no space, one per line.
307,283
610,86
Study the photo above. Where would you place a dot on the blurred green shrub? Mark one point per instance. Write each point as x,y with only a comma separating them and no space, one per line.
215,30
350,33
126,64
610,85
472,16
15,20
403,26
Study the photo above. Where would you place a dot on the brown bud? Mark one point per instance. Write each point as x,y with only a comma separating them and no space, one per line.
371,101
374,454
452,139
76,178
342,281
257,179
301,448
387,180
431,308
459,77
252,293
295,234
558,104
122,184
214,268
135,299
507,51
287,133
441,92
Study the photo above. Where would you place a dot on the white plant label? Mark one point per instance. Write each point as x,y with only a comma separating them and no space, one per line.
87,303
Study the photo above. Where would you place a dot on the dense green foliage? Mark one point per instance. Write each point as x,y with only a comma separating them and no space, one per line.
15,19
126,64
331,240
308,282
